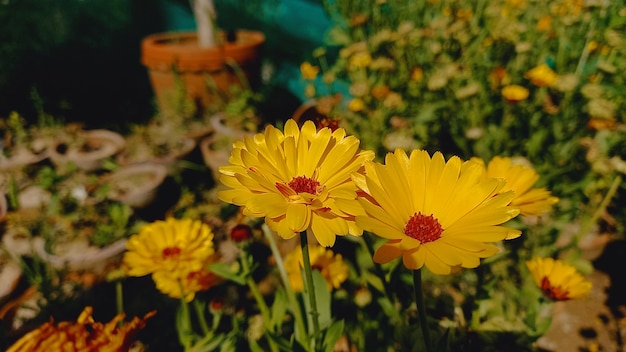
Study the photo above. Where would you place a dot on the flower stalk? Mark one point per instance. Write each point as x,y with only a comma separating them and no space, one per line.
310,288
421,308
300,329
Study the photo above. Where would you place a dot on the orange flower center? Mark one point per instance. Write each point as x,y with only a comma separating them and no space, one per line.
170,252
424,228
301,184
555,293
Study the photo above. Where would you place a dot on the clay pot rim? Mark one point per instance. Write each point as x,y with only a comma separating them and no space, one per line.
162,50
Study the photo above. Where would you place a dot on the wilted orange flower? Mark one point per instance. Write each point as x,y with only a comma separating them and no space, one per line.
329,264
542,76
558,280
515,93
84,335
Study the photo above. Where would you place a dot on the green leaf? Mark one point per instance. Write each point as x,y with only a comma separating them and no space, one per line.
279,307
285,345
332,335
322,299
211,342
224,270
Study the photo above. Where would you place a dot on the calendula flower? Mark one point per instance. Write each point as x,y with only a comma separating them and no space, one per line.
432,212
83,335
360,60
498,76
188,285
544,24
520,179
175,246
329,264
309,71
417,74
515,93
558,280
542,76
294,179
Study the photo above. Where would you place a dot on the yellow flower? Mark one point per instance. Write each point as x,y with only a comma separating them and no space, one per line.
558,280
544,24
309,71
520,179
294,179
417,74
188,285
83,335
432,212
542,76
464,14
514,93
174,246
330,265
360,60
356,105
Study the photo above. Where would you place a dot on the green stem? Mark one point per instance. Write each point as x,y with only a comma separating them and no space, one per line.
119,298
584,229
291,297
421,307
184,335
377,267
199,307
254,288
308,274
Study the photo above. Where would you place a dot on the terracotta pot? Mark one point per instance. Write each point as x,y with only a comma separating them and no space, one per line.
175,56
97,145
136,185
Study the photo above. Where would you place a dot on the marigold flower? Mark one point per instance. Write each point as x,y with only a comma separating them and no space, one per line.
558,280
360,60
417,74
356,105
515,93
329,264
432,212
497,77
174,246
542,76
544,24
83,335
294,179
309,71
188,285
520,179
